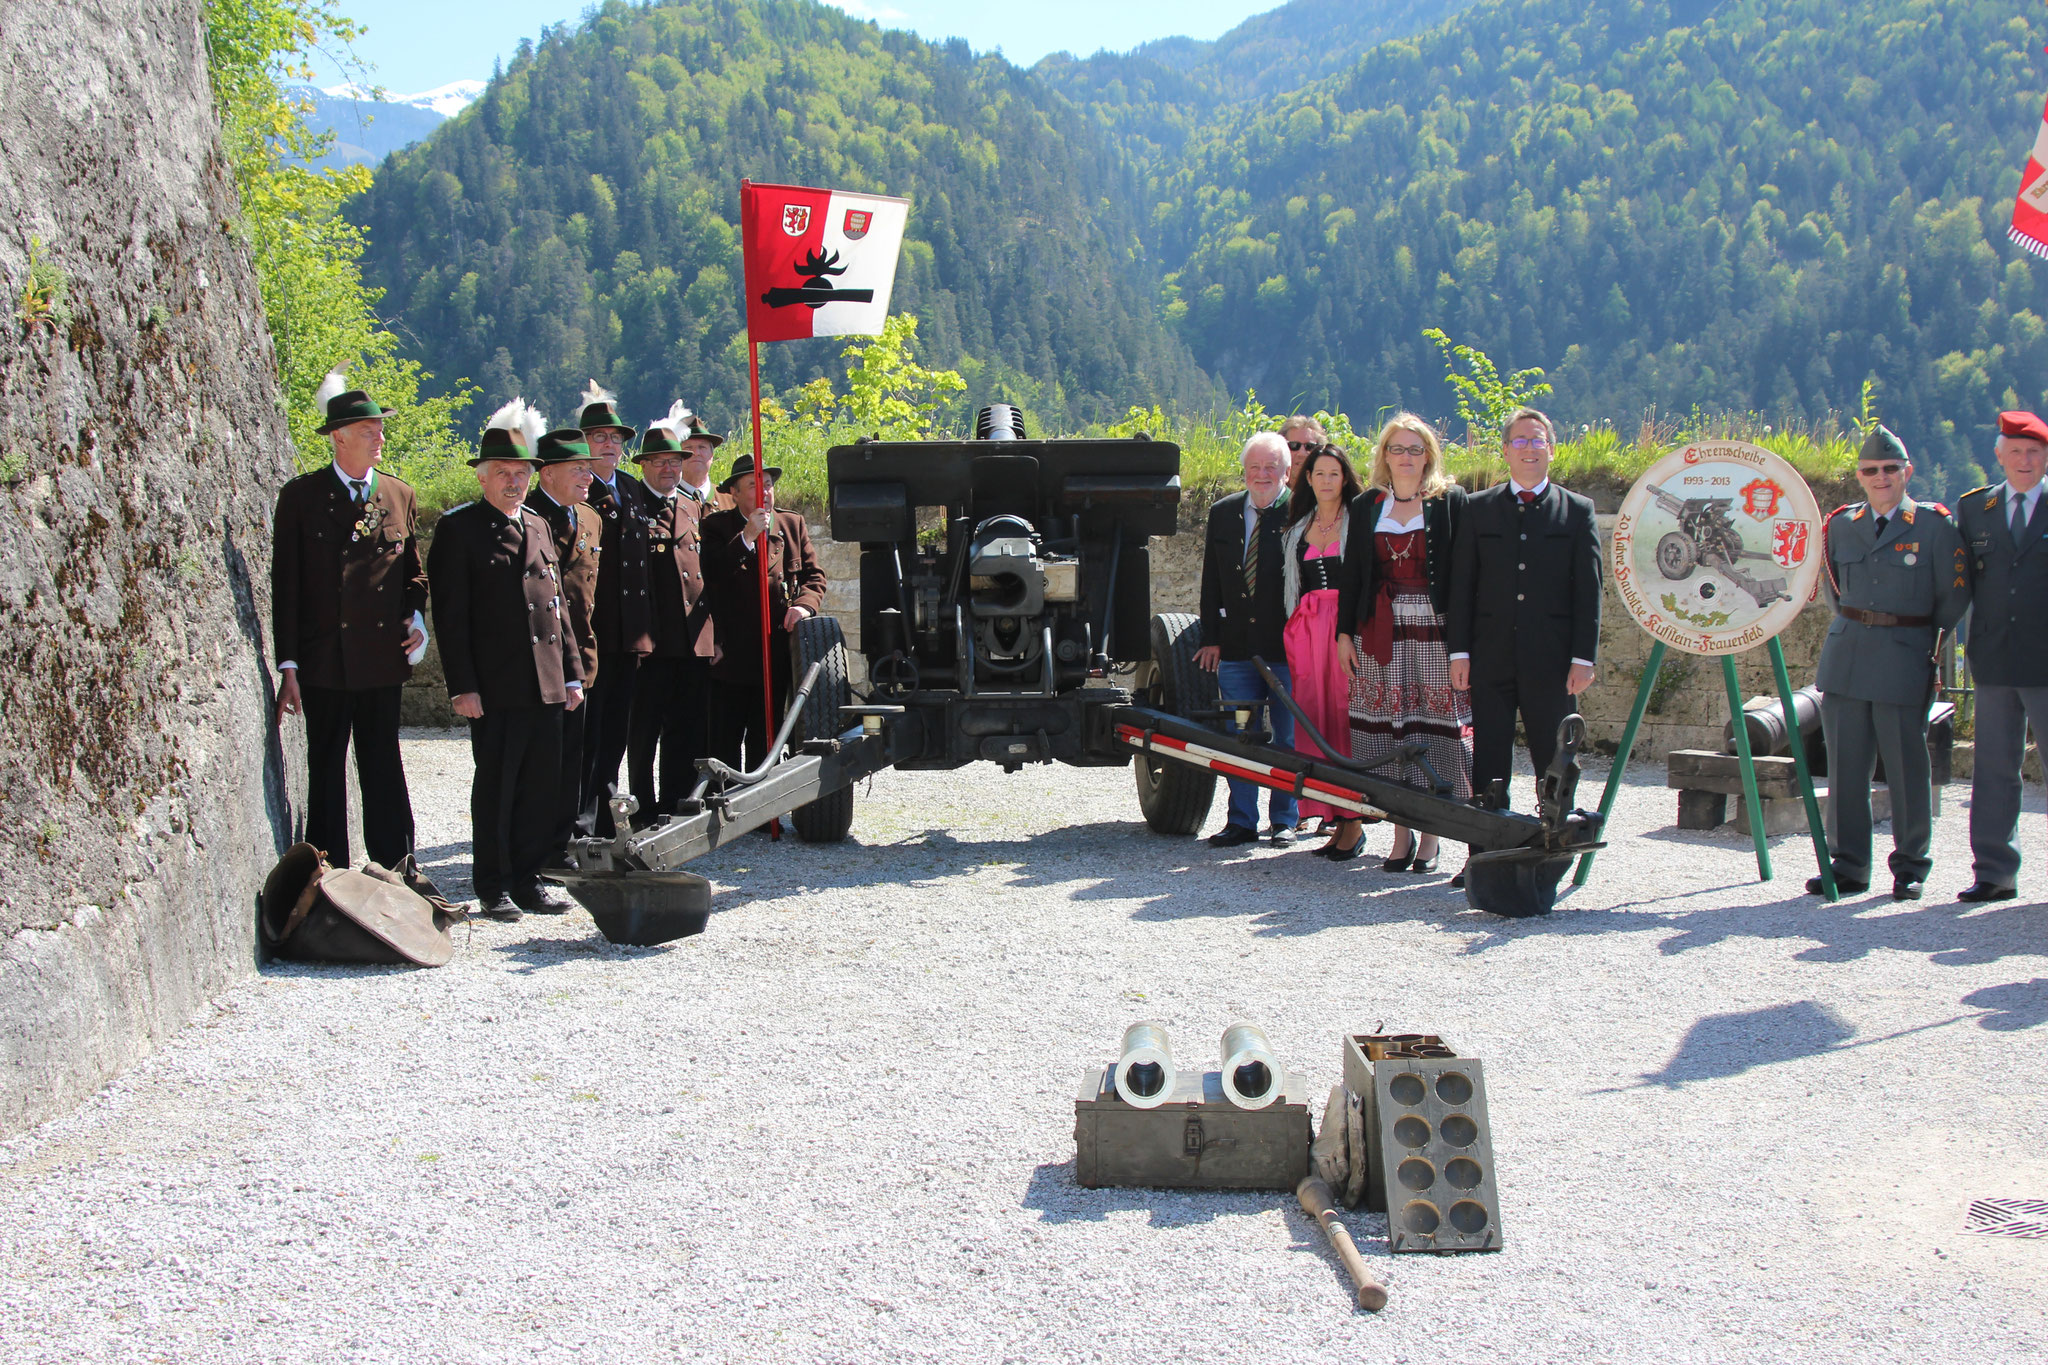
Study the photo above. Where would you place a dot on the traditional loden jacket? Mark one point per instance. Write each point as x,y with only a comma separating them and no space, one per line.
345,581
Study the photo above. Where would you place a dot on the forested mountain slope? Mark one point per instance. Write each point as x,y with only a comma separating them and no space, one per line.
1754,204
581,218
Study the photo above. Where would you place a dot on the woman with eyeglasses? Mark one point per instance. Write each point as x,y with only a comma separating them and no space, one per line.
1312,566
1304,437
1390,615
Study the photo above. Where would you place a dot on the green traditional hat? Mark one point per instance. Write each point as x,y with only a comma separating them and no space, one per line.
698,432
499,444
512,433
601,409
742,467
659,440
1882,444
562,446
353,406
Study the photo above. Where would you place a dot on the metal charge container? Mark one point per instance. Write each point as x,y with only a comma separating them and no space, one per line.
1196,1140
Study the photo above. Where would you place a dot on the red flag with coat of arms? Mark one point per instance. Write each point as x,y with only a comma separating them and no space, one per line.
2030,210
819,263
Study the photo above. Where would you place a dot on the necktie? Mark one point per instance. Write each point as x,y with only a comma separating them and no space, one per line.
1525,495
1878,533
355,492
1251,554
2019,518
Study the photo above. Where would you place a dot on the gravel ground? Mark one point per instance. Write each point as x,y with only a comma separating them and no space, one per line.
1731,1123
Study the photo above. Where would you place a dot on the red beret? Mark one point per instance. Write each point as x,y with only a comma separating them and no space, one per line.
2023,424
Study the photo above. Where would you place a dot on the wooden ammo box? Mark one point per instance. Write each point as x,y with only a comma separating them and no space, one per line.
1196,1140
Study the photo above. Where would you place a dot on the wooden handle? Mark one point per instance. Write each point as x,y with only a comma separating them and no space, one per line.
1314,1194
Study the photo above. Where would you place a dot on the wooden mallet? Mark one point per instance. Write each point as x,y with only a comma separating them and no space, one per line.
1316,1201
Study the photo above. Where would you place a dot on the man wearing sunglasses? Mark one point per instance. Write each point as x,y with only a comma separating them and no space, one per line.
2005,533
1895,573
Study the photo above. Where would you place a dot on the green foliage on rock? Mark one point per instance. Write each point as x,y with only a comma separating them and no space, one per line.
319,311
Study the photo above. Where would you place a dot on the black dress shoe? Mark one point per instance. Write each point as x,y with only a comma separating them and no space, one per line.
1906,888
545,898
1978,892
1230,836
498,907
1281,835
1342,855
1423,867
1844,886
1396,864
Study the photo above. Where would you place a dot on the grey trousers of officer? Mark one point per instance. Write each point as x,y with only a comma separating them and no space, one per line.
1857,732
2002,717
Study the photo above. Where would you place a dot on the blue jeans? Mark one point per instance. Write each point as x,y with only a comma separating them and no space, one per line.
1240,681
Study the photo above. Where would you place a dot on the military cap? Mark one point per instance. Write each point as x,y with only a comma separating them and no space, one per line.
1882,444
2024,425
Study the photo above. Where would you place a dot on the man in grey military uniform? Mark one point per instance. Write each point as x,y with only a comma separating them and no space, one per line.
1894,571
2004,530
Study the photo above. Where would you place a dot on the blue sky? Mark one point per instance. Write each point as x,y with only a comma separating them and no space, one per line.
416,46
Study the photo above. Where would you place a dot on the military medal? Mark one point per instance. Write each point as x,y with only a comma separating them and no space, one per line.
1912,559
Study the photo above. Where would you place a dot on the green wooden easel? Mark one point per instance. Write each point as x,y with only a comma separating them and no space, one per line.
1748,762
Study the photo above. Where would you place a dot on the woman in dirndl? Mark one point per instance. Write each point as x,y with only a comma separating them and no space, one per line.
1391,615
1311,569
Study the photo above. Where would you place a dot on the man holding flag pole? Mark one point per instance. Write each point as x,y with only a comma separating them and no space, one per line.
818,263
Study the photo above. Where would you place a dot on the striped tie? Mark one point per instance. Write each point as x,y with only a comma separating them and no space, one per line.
1251,554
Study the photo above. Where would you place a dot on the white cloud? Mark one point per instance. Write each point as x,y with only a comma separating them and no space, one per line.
881,14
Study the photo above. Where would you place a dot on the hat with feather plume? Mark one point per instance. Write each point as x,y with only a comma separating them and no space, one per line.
599,409
665,434
341,405
513,433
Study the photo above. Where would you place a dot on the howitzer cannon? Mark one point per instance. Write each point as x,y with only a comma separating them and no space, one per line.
1005,616
1707,537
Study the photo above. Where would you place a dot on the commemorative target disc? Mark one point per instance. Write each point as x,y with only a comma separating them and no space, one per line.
1717,547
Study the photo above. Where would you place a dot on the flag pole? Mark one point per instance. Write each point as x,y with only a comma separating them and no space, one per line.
761,550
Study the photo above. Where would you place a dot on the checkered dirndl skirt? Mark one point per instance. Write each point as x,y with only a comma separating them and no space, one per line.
1403,691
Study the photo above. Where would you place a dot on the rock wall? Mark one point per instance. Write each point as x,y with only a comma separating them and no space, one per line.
143,792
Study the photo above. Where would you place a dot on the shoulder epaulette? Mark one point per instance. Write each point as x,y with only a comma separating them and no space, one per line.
1939,508
1986,488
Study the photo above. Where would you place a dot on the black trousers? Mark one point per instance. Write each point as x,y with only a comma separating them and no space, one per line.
569,788
671,731
739,733
1493,726
607,713
514,799
369,716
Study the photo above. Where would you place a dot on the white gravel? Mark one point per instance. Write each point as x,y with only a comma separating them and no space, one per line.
1731,1123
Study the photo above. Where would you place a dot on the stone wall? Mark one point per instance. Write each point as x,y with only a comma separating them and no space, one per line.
143,792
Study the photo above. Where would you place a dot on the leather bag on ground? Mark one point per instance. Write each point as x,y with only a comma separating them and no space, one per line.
315,913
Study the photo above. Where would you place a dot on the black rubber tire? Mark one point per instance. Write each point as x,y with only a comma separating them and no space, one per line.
1176,797
819,639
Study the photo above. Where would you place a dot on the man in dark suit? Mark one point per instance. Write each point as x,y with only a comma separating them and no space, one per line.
1523,624
562,499
1243,614
623,613
671,709
346,597
796,589
2005,538
509,650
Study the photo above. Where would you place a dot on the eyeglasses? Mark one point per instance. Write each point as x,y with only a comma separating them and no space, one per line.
1408,450
1871,471
1530,443
1298,446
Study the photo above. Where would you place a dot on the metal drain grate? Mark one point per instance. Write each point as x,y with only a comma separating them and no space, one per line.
2008,1217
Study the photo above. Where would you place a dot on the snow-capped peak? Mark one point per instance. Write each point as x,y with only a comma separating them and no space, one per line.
446,100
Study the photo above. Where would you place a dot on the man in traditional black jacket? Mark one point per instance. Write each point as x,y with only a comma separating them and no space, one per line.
1523,625
509,649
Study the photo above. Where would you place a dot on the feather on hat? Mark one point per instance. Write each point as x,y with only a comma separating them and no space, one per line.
332,387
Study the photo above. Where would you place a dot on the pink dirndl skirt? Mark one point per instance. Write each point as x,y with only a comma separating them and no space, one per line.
1321,687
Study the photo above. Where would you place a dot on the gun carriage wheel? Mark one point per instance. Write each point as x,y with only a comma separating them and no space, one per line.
1676,556
1174,797
819,639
